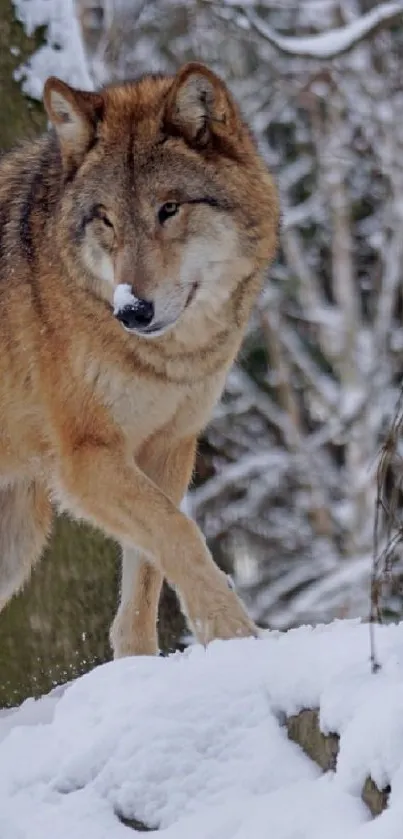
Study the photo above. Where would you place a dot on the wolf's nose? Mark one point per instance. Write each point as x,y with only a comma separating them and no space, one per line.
138,315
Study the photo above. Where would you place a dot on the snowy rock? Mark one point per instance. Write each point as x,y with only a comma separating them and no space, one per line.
192,744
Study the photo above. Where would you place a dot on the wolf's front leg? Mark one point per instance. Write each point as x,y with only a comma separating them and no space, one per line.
134,630
102,486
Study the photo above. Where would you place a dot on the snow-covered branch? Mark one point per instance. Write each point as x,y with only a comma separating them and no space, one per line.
331,44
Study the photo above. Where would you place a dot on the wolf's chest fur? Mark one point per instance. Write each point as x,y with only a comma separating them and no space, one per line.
142,403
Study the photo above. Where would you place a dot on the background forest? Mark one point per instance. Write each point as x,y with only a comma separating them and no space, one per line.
286,483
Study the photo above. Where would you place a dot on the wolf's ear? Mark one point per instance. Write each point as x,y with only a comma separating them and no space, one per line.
74,115
199,105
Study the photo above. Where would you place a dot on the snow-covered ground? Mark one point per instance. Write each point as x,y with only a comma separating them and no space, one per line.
192,745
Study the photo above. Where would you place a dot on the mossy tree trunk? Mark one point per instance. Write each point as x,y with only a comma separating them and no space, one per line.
58,626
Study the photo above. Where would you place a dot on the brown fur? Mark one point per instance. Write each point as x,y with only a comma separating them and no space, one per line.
99,420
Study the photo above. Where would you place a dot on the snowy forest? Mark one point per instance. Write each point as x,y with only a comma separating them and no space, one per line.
298,733
287,488
286,482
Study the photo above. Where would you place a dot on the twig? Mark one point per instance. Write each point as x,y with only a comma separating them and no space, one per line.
381,559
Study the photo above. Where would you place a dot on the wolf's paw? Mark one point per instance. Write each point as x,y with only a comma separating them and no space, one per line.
226,622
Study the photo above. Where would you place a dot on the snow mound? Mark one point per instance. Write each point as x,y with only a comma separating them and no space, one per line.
192,745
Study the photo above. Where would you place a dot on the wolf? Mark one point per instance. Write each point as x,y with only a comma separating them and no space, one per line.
155,184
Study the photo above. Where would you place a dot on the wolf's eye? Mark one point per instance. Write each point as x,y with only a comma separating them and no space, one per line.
101,214
167,211
107,222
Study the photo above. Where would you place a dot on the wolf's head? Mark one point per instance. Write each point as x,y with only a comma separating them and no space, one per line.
164,191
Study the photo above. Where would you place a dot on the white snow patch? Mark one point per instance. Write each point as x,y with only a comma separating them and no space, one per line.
192,744
62,55
122,297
